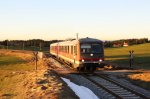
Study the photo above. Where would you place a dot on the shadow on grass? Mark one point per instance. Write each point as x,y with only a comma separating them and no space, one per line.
143,84
140,62
30,48
118,56
10,60
138,82
8,95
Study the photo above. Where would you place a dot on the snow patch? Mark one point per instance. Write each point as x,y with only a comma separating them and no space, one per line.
81,91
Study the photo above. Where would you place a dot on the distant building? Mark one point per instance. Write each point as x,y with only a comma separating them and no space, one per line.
125,44
117,45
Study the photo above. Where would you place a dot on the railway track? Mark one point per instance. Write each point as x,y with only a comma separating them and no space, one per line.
64,64
117,90
114,88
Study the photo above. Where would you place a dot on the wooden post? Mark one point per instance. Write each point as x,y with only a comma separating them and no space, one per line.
35,59
131,58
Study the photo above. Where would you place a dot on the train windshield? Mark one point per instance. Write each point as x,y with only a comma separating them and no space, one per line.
91,48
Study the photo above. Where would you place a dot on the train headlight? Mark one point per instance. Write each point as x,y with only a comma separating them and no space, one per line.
100,60
82,60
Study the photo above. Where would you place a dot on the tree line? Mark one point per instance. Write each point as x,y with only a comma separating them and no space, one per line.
35,44
38,44
128,41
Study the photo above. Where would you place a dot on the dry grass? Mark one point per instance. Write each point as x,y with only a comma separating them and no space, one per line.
18,78
141,76
25,55
140,79
13,70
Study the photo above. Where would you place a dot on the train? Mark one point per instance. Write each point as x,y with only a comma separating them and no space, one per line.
84,54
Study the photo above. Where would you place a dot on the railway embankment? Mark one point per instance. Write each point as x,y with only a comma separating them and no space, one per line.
20,80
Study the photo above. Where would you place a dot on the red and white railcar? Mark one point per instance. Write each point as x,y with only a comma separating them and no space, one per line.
83,54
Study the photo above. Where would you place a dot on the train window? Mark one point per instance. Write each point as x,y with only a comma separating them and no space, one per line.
68,49
85,48
96,48
91,48
60,48
75,50
65,49
71,49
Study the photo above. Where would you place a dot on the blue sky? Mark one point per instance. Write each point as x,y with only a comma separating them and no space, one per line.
61,19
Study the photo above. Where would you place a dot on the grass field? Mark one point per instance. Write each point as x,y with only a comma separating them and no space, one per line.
10,69
13,63
120,56
30,48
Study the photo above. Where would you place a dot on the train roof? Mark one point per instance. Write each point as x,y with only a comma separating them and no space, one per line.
65,43
72,42
87,39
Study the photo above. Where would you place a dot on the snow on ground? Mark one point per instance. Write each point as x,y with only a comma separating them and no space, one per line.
81,91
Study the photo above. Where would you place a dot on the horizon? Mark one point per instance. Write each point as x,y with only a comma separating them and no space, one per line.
66,39
54,20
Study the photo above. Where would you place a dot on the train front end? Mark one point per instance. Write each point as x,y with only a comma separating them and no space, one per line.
91,54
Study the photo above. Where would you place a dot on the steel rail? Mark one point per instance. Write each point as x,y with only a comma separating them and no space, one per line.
101,86
126,88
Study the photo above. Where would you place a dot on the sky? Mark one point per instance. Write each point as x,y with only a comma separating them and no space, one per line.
62,19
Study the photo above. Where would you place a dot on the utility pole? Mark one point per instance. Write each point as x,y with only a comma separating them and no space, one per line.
7,44
77,36
23,45
40,46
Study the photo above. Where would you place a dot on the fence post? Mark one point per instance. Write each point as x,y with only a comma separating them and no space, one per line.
131,58
36,59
